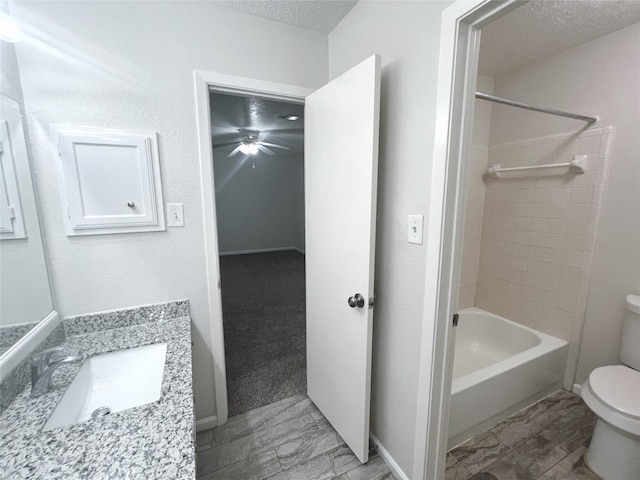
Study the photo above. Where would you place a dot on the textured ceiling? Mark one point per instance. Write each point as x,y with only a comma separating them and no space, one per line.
318,15
542,28
230,113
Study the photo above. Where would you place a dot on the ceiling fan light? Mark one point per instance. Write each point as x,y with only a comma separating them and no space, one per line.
244,148
253,148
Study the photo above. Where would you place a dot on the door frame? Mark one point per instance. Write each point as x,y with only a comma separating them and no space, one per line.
205,82
457,75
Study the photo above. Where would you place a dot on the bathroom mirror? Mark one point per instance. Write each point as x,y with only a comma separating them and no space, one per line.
25,293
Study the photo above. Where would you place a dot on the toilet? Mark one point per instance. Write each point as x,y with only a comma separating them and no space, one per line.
613,394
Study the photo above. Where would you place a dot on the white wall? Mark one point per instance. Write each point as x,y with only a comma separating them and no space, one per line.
258,208
406,35
130,65
25,296
597,78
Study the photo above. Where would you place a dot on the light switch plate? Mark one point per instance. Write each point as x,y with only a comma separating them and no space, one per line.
175,215
414,232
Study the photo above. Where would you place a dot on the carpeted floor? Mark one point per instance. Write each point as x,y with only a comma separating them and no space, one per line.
263,304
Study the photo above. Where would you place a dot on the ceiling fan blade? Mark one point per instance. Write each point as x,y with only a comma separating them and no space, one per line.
264,149
280,131
234,151
226,144
273,145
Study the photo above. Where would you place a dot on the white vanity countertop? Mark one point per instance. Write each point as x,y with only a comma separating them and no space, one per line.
153,441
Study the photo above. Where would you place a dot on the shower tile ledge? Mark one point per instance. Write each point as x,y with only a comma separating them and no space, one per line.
153,441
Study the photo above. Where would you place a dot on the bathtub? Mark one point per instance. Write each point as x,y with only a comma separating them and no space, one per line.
498,365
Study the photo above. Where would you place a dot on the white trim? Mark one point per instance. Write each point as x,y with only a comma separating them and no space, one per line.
206,423
23,347
577,389
387,458
204,82
457,72
260,250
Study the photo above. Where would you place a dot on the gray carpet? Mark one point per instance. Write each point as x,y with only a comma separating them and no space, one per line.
263,304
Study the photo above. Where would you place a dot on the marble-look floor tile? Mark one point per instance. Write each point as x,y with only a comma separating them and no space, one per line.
572,467
457,472
320,420
253,468
480,451
527,462
531,421
324,467
561,404
454,470
571,434
307,446
204,440
264,417
374,469
258,442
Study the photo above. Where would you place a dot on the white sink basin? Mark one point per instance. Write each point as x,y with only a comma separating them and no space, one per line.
117,380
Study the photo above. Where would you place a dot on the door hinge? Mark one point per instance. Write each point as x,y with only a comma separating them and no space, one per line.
12,212
1,147
455,319
68,211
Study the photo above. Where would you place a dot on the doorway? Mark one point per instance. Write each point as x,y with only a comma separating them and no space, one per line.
341,156
258,160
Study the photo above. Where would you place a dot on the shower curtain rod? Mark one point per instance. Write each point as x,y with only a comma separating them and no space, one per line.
491,98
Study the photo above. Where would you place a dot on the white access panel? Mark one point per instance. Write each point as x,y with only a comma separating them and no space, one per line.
11,219
110,180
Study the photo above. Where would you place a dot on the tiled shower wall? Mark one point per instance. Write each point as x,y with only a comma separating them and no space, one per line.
473,225
539,230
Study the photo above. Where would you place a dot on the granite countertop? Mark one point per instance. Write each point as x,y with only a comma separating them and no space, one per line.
153,441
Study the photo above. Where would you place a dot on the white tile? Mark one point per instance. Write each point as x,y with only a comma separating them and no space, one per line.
577,227
557,225
582,195
555,241
540,224
573,259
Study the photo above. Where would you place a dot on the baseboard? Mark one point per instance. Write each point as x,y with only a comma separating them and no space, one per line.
259,250
387,458
577,389
206,423
299,250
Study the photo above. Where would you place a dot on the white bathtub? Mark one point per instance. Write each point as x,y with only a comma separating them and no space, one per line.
498,364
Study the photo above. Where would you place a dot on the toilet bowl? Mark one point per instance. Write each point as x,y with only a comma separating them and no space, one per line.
613,394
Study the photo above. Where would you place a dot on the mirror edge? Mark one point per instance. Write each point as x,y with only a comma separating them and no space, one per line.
27,344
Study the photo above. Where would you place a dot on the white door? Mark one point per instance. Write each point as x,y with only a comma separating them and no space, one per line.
341,173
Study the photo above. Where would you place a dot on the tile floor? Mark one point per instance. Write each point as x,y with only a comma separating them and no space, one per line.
546,441
291,440
286,440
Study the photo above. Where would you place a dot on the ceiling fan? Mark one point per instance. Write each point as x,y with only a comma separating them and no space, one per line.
249,144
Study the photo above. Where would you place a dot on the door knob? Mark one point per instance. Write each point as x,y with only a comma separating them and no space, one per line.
356,301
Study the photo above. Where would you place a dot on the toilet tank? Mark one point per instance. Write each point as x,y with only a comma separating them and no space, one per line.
630,354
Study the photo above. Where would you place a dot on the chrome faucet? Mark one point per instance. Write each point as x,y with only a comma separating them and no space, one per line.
42,368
